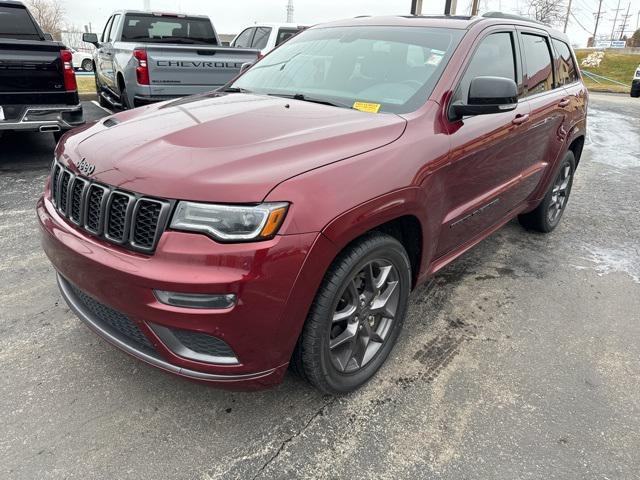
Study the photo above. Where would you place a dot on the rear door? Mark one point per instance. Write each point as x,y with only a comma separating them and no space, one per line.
486,150
547,101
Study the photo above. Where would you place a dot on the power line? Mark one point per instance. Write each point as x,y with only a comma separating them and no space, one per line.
578,22
598,15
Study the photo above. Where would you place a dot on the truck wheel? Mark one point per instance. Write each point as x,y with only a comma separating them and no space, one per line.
356,316
87,65
101,100
547,215
124,98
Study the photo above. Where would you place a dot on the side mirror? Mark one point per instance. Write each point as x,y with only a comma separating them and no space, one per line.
90,38
246,66
488,95
48,36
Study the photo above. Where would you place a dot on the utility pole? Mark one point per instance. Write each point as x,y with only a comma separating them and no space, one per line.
624,21
474,7
595,30
566,20
613,29
416,7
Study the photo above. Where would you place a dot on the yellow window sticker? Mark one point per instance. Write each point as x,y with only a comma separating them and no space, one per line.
367,107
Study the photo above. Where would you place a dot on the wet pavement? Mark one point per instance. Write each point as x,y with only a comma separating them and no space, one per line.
521,360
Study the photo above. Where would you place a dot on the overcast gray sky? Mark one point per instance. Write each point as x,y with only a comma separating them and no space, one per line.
229,16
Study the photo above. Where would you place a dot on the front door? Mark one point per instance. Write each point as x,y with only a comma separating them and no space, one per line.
486,150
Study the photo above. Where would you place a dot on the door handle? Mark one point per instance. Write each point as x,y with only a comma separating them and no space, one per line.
520,119
564,102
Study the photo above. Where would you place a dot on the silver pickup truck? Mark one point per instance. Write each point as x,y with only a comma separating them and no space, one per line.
144,57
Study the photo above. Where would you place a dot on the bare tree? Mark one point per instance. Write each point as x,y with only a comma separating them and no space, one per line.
49,14
549,12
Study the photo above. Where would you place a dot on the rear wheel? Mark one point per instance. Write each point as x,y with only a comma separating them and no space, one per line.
547,215
124,97
87,65
357,315
101,100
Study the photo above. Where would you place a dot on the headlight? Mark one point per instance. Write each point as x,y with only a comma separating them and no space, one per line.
230,222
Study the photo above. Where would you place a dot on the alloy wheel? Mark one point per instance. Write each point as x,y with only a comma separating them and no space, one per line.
364,315
559,194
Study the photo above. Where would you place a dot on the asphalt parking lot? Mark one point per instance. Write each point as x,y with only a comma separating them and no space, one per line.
521,360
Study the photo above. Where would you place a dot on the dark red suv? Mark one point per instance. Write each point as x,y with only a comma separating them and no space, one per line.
284,219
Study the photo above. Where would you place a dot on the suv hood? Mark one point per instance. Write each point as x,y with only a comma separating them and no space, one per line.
233,148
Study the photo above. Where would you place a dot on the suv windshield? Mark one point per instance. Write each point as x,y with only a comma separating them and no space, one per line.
393,68
16,23
167,28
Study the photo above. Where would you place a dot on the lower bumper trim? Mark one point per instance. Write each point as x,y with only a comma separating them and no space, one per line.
87,317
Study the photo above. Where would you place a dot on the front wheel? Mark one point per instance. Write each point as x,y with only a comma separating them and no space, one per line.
356,316
547,215
87,65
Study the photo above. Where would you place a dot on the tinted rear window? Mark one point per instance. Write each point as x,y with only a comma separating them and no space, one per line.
149,28
538,64
16,23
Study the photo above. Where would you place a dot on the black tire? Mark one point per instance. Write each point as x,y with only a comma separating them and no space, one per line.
124,97
313,358
546,217
103,102
636,93
87,65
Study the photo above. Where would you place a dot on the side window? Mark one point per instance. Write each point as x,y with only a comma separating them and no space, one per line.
244,39
261,37
537,60
285,34
565,68
494,57
114,27
105,33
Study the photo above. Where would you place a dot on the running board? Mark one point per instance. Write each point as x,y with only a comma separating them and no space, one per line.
112,99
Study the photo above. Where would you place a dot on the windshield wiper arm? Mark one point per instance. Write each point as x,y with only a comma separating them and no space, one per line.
305,98
235,90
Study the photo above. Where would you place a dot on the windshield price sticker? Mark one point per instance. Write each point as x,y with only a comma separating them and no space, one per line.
367,107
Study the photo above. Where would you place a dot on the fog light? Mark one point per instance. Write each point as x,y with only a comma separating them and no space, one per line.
196,300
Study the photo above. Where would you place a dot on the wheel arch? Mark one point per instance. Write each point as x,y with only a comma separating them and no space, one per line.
576,146
399,214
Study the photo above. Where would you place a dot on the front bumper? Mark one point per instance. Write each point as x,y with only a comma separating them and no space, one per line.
274,281
46,118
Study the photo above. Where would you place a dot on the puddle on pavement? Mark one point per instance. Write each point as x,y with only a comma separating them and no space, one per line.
614,139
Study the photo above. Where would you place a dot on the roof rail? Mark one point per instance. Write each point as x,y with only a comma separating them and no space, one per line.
510,16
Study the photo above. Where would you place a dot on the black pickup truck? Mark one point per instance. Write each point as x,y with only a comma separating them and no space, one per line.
38,90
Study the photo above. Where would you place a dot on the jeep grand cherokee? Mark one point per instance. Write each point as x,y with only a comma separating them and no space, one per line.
284,219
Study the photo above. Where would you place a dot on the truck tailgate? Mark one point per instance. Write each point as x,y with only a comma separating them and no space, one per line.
31,76
30,66
190,69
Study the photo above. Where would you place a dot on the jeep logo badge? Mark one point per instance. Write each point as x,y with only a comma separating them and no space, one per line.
85,167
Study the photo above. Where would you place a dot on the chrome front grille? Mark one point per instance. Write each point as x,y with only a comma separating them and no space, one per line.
123,218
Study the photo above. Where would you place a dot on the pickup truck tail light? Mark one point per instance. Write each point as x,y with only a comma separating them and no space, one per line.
142,70
69,75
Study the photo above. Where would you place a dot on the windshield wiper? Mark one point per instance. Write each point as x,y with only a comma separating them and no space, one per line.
305,98
235,90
